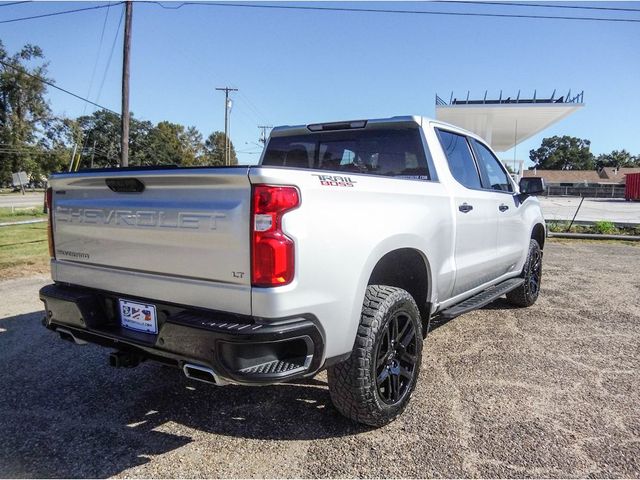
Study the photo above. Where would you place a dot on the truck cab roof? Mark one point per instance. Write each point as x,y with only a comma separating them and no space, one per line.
398,121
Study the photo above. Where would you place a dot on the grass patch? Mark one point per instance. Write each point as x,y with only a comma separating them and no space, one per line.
603,227
23,250
19,214
569,241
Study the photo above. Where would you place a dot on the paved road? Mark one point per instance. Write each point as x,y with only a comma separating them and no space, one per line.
18,200
549,391
592,209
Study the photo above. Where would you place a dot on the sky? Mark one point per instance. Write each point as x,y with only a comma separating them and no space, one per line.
298,67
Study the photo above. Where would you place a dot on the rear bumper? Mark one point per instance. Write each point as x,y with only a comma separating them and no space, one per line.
239,349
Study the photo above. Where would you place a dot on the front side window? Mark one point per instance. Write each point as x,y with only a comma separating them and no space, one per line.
495,176
388,152
460,159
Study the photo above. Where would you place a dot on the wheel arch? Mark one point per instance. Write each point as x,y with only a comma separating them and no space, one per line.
406,268
539,234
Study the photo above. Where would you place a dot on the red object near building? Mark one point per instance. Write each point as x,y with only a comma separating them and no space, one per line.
632,186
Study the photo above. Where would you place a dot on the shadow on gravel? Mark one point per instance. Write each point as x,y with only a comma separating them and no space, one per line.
498,304
65,413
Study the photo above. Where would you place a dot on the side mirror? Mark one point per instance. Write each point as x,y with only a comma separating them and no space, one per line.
532,185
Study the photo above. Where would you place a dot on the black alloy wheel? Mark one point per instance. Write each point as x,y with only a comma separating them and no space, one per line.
527,293
374,385
534,273
396,359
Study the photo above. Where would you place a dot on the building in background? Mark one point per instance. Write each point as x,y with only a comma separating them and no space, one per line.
606,182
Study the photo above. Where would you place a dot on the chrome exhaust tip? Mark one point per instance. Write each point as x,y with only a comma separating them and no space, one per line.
202,374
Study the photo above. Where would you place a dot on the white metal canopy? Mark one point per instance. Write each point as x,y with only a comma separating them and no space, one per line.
505,125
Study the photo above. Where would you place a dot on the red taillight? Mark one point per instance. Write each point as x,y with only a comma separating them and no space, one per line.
272,252
49,200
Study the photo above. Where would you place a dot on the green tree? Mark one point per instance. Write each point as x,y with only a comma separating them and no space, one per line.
165,141
195,148
563,153
55,147
173,144
24,110
140,152
214,149
618,159
100,140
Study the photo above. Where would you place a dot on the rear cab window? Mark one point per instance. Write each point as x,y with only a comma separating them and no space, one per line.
390,152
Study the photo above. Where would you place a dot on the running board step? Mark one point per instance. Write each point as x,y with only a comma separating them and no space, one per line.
481,299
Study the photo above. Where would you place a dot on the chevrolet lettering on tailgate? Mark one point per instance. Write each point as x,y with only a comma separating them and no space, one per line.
138,218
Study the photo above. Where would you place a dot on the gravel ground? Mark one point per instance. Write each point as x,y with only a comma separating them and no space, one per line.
549,391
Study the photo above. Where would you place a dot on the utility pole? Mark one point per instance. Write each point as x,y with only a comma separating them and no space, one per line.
73,156
227,142
93,153
263,135
124,146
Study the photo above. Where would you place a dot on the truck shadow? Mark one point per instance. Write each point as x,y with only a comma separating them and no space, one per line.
65,413
497,304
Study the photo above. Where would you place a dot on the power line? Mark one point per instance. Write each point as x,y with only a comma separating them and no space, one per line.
14,3
63,12
410,12
368,10
251,105
100,42
93,74
541,5
46,82
113,46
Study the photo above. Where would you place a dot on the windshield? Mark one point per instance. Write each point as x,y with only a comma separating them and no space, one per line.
388,152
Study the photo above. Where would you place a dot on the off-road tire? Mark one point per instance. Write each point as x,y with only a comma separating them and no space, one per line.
527,293
354,383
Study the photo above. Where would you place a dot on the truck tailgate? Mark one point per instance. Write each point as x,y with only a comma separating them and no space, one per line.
185,225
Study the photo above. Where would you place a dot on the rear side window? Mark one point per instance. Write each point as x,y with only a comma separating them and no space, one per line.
495,176
388,152
461,163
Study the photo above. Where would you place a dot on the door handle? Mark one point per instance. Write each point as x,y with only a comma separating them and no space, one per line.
465,207
503,207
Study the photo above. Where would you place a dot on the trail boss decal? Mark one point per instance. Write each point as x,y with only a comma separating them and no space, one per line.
335,180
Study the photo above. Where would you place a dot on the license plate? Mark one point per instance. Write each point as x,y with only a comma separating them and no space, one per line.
138,316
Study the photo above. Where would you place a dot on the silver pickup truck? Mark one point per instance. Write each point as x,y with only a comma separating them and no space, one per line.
334,252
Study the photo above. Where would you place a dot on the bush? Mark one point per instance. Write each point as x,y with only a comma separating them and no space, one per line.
605,227
557,226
